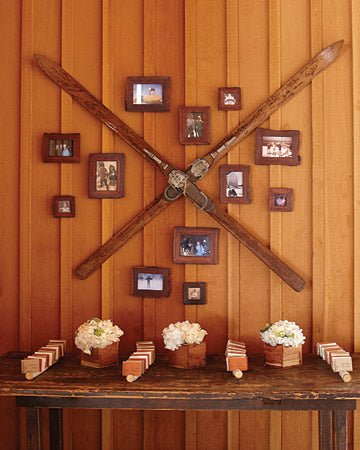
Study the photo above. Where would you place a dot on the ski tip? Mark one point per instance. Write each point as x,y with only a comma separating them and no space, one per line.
332,51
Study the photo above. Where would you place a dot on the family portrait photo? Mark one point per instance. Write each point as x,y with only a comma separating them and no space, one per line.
277,147
61,148
194,245
106,175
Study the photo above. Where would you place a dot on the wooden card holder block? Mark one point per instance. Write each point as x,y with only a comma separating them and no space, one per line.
102,357
188,356
281,356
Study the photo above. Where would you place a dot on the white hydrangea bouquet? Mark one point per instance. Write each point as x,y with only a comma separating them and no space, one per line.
96,333
179,333
284,333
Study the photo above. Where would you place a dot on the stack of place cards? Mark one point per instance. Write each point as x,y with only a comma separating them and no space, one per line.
236,358
139,361
33,365
339,360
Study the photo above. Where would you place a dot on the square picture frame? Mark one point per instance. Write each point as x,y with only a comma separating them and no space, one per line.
277,147
151,281
229,98
234,183
194,125
147,94
194,245
61,147
281,199
106,175
63,206
194,293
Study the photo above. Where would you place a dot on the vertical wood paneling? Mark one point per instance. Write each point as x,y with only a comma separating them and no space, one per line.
355,12
202,46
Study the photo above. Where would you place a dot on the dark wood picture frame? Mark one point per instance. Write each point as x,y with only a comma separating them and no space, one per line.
194,293
194,125
61,148
63,206
229,98
277,147
231,191
186,239
147,94
155,284
281,199
106,175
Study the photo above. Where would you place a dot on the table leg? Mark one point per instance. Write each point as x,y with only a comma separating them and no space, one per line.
340,424
33,428
325,431
56,428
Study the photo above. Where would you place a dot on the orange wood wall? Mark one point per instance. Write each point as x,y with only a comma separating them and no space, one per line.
201,45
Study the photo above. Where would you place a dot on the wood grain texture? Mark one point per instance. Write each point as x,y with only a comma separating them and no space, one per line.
201,48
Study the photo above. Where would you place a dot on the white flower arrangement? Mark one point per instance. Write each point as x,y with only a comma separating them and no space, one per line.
96,333
282,332
179,333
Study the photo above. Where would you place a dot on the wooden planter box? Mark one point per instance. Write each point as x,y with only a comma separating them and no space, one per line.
281,356
188,356
102,357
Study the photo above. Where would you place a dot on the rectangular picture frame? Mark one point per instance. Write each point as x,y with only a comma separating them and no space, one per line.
63,206
194,293
61,147
106,175
277,147
147,94
229,98
234,184
194,125
151,281
186,241
281,199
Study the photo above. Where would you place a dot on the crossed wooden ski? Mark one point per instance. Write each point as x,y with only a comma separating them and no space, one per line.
184,183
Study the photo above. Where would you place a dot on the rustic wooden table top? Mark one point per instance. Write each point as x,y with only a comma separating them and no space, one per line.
314,379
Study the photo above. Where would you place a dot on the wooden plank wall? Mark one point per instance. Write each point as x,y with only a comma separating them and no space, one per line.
202,45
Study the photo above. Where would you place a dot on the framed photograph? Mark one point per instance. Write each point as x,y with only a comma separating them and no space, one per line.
277,147
150,94
106,175
195,245
63,206
61,148
151,281
194,125
234,184
281,199
229,98
194,293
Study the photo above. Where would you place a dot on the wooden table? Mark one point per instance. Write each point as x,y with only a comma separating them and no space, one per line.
312,386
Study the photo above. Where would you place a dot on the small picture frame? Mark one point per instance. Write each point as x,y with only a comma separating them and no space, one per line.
277,147
281,199
195,245
151,281
194,293
151,94
63,206
194,125
234,184
229,98
106,175
61,148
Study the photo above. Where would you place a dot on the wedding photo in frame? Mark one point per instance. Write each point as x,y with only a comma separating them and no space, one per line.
150,94
194,245
151,281
229,98
63,206
234,183
277,147
61,148
106,175
194,293
281,199
194,125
